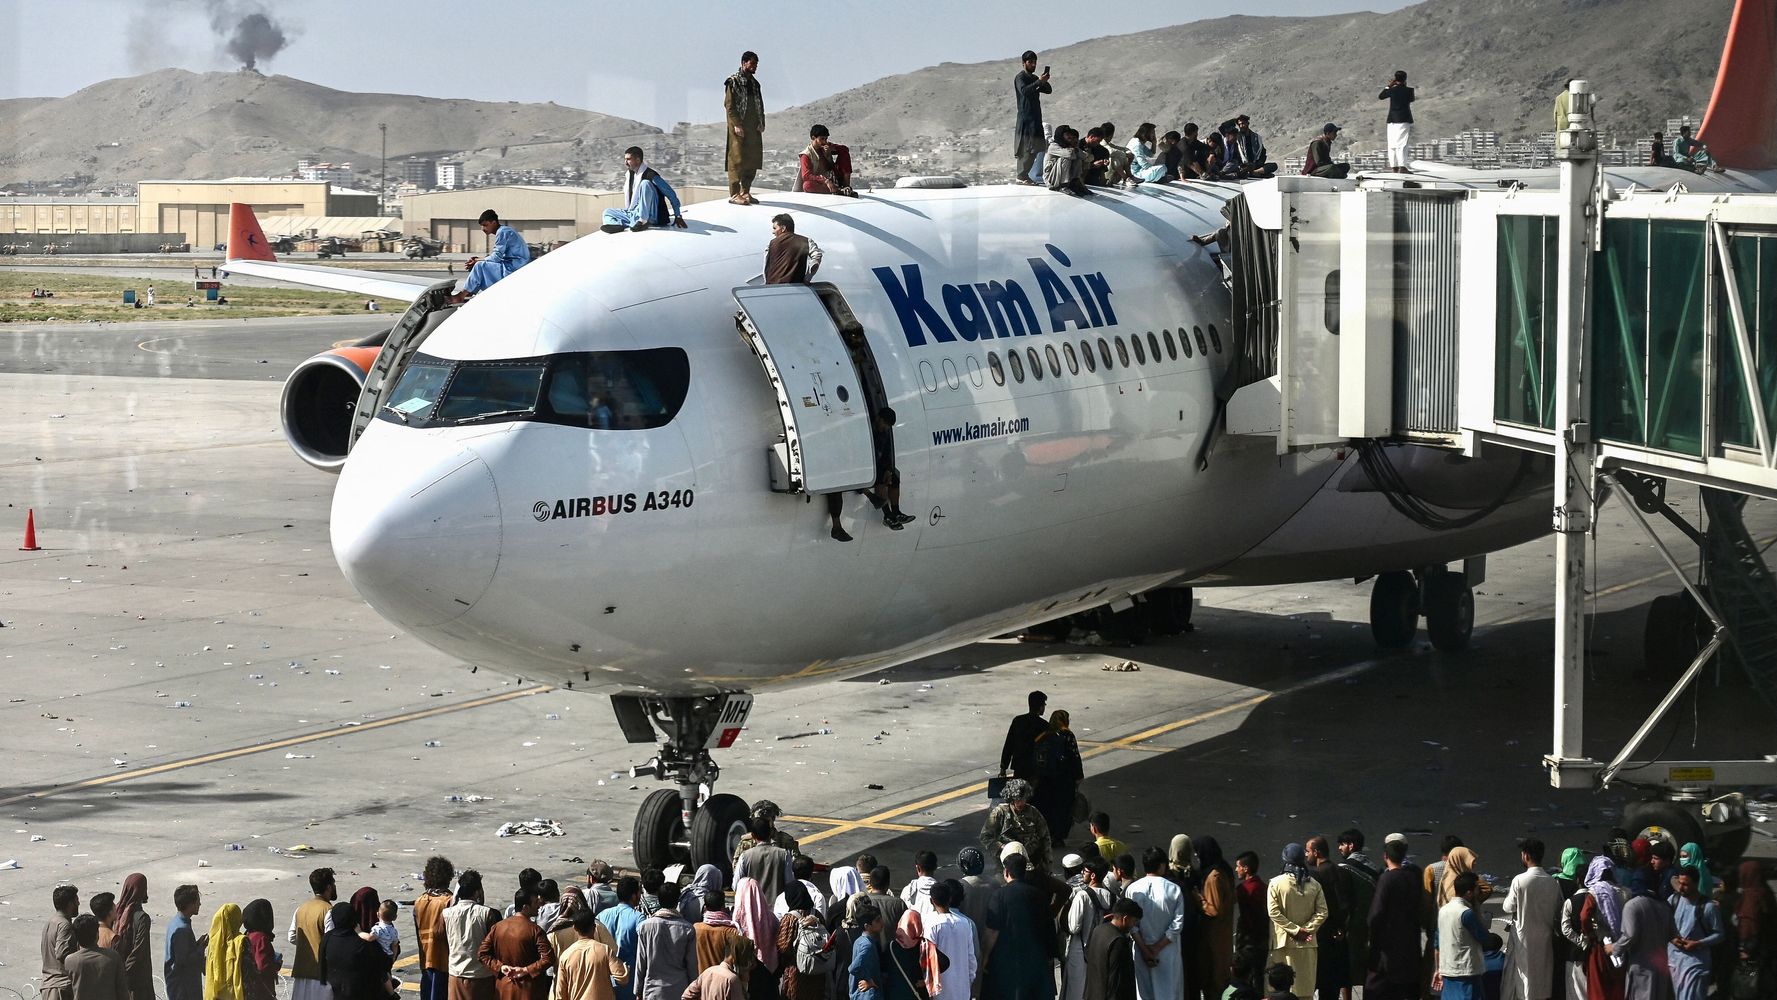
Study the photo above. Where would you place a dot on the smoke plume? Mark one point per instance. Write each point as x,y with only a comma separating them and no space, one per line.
248,33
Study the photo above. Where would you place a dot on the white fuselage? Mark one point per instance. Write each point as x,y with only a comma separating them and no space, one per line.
1034,498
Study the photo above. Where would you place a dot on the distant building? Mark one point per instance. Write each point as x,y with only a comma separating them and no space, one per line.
333,173
449,175
421,172
541,214
199,209
47,214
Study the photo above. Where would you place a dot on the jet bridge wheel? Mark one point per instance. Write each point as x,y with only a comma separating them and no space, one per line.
716,831
660,836
1449,611
1394,609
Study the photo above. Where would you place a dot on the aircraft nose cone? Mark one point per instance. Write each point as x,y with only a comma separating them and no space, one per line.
416,526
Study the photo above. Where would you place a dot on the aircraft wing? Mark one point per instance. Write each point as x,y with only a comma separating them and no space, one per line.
250,253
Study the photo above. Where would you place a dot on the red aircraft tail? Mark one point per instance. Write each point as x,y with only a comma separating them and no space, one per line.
246,241
1740,127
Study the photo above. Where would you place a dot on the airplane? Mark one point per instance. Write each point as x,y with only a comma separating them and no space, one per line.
602,472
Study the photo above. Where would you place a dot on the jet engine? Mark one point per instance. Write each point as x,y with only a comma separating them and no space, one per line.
320,397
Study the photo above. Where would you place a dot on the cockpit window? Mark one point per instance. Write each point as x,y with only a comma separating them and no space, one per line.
483,391
601,390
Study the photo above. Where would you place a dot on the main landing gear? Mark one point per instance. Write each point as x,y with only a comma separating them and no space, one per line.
1444,597
689,825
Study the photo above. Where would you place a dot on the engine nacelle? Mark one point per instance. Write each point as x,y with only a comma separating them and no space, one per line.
320,397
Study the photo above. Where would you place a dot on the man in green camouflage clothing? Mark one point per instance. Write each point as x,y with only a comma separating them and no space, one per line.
769,810
1014,821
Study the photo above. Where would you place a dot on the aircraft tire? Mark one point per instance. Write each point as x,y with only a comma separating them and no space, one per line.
1394,611
1169,610
1685,826
1449,611
660,829
716,831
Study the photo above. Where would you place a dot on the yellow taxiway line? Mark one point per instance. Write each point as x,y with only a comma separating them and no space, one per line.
290,741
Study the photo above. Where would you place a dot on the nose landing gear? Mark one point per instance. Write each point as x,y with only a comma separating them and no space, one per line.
689,825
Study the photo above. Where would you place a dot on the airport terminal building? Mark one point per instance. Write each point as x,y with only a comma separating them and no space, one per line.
540,213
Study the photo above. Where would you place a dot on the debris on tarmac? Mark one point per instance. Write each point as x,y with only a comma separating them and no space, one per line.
1126,666
534,828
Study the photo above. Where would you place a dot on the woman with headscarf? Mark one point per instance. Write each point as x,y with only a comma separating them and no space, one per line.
708,879
755,921
1459,860
845,883
133,929
1215,931
1691,856
367,907
913,970
1601,921
1573,943
260,961
1059,772
354,966
1181,869
799,913
223,978
1297,908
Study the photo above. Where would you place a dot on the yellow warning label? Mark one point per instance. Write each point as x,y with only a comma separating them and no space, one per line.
1690,775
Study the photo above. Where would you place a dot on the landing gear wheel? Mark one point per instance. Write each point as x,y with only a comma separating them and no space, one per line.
1123,628
716,831
1394,610
1168,612
660,831
1683,825
1449,611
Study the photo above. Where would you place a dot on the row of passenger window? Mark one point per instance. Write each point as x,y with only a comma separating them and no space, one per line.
1085,355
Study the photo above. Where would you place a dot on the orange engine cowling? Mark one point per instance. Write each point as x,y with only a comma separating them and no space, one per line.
319,399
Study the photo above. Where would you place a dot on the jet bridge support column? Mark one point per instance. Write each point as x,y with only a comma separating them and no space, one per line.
1575,453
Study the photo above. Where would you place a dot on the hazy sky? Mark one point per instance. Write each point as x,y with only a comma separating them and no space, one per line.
657,61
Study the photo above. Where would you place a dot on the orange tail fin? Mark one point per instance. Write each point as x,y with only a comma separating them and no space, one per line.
1740,126
246,241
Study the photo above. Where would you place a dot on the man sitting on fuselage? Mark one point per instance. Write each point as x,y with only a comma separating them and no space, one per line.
509,254
649,195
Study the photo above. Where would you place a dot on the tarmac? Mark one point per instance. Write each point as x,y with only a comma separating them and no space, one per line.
193,691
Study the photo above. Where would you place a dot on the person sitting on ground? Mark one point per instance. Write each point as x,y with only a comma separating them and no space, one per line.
509,254
825,166
1064,166
647,197
1144,156
1251,147
1690,153
1279,979
1098,158
1320,156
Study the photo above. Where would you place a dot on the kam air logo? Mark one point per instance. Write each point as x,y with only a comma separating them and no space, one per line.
986,310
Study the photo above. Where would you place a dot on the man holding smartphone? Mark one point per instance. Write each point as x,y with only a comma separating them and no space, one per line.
1029,142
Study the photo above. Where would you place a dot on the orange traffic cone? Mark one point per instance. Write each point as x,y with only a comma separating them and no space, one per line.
30,531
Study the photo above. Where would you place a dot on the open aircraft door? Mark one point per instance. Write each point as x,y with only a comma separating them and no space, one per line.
827,446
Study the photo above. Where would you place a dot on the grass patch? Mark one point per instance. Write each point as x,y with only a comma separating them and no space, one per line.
83,298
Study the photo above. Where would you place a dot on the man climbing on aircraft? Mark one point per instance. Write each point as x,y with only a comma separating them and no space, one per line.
789,259
509,254
648,197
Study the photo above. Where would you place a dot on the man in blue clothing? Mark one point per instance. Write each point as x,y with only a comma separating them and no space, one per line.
624,921
647,197
509,254
865,970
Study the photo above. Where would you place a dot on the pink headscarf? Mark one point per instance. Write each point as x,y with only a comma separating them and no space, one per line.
753,916
910,933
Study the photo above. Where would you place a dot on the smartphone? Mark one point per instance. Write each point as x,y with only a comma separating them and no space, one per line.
1045,71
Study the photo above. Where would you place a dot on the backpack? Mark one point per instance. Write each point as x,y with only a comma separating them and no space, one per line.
813,956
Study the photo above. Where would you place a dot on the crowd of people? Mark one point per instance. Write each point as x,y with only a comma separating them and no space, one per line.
1640,920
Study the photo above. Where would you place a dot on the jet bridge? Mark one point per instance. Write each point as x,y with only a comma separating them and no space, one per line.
1627,331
